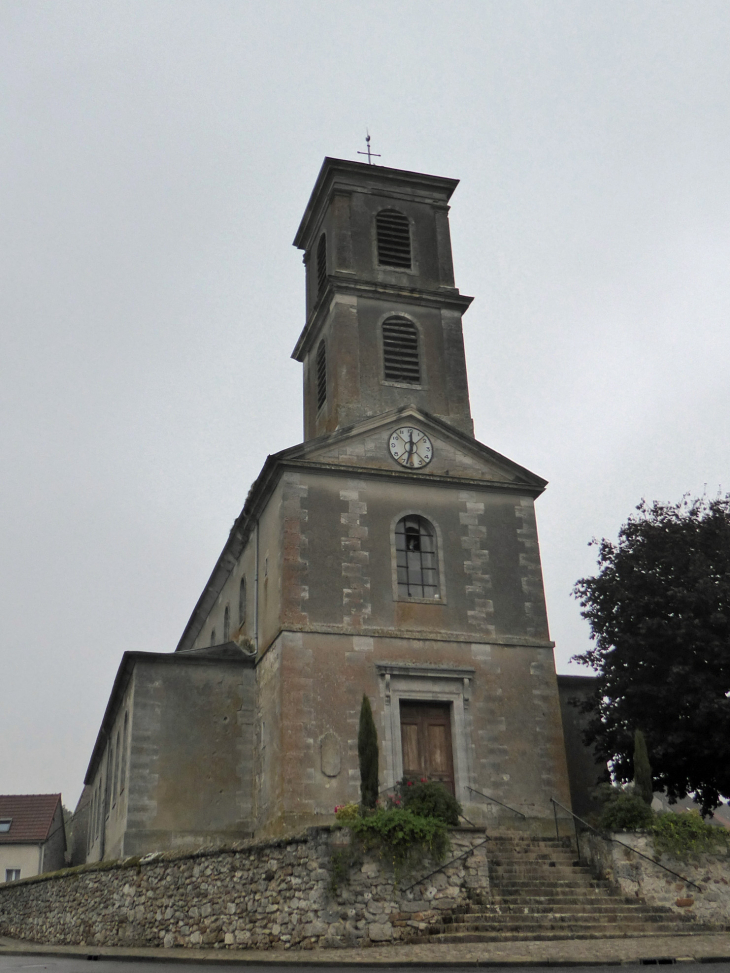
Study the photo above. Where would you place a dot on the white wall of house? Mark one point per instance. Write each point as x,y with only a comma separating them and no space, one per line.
25,857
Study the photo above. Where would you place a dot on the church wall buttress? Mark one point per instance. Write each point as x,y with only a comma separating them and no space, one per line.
343,233
532,581
295,550
355,557
480,611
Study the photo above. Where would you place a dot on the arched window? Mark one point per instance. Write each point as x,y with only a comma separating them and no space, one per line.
394,239
212,636
115,776
400,352
416,556
92,819
321,264
108,778
242,601
226,624
125,744
321,375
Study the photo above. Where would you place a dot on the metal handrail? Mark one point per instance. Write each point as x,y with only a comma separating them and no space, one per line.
495,801
446,864
609,837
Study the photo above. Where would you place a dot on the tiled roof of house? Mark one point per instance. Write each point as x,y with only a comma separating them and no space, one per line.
30,816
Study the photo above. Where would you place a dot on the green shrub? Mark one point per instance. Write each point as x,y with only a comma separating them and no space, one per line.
367,752
427,798
625,811
643,781
346,813
684,834
398,832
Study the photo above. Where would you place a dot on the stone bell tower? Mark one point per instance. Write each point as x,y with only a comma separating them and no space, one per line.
383,317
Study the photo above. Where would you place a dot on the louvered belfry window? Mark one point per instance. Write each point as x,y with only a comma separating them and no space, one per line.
321,264
400,352
321,375
415,547
394,239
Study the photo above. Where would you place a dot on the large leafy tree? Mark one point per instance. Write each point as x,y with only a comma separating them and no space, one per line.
659,611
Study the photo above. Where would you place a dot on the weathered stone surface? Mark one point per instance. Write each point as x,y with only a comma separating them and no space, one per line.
274,894
380,932
636,876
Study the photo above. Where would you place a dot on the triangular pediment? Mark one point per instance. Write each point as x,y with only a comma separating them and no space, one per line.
365,445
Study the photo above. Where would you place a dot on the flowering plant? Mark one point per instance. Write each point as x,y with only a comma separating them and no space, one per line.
428,798
347,813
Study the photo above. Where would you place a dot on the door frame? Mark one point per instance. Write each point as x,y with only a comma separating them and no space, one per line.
423,684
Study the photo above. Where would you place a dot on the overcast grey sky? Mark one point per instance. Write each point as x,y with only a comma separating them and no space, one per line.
156,157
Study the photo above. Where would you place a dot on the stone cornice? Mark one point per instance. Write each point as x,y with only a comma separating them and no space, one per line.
411,635
338,284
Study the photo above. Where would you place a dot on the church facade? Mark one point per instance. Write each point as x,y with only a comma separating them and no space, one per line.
390,554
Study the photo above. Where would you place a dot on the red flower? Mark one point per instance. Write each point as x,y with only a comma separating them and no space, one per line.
424,780
410,783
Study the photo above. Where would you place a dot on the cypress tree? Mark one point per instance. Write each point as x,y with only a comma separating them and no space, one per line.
367,752
643,783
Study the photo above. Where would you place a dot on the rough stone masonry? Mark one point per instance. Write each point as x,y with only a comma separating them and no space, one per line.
317,889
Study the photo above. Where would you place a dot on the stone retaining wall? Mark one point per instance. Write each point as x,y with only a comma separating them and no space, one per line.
312,890
639,877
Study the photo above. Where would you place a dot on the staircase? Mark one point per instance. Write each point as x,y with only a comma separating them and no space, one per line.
538,891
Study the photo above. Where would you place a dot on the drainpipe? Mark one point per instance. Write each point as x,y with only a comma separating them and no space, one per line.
256,593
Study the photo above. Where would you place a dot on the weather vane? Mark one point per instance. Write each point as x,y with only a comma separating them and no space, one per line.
367,151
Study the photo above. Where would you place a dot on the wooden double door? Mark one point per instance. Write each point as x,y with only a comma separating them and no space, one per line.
426,741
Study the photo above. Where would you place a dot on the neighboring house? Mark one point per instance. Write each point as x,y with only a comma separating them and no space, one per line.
32,835
720,817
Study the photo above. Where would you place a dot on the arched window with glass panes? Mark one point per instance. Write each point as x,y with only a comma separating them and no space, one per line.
416,558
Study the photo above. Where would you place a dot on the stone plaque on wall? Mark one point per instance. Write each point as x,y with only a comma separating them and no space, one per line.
330,754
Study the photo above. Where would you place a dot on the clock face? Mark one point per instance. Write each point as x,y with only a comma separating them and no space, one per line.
410,447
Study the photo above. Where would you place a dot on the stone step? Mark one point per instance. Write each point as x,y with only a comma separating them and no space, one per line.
538,901
519,886
562,908
551,873
544,863
548,934
539,890
553,920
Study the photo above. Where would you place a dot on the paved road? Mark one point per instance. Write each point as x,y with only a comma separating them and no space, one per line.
38,964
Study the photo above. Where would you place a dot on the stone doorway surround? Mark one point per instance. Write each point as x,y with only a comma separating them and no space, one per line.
426,683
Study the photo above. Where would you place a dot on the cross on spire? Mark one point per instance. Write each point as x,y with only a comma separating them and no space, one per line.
367,151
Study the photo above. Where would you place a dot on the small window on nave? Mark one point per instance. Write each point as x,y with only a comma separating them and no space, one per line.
242,601
212,636
115,774
416,558
321,375
394,239
125,744
401,361
321,264
226,624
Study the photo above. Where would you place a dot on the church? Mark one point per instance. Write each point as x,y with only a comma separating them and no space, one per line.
390,553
